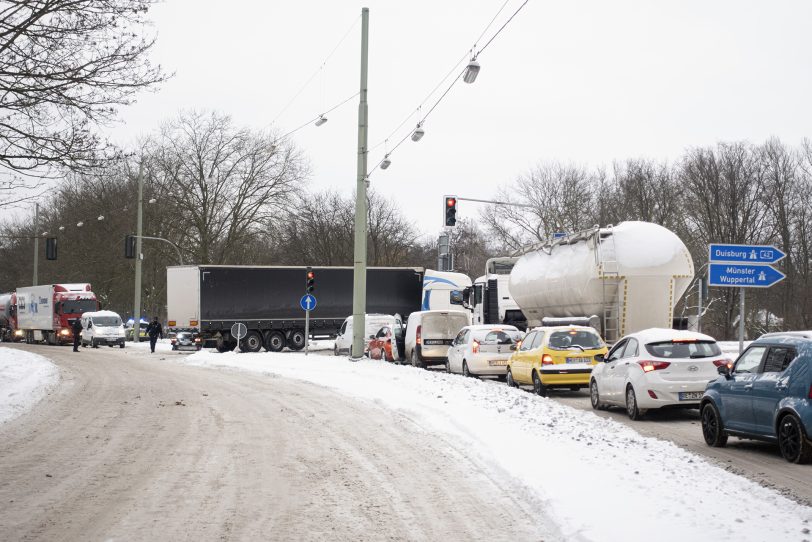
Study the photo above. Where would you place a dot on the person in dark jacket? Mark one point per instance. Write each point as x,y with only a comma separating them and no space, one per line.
77,330
154,329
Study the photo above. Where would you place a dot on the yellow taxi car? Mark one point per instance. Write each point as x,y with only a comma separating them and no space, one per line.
556,357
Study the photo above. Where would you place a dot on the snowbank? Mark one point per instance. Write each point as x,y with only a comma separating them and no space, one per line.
600,480
165,345
25,378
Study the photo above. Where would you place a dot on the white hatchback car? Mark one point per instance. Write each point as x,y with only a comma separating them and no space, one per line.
656,368
482,350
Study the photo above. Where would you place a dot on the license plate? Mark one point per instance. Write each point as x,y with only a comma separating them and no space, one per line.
497,362
690,395
433,341
579,360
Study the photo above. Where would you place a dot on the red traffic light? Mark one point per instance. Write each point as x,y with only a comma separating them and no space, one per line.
311,275
451,202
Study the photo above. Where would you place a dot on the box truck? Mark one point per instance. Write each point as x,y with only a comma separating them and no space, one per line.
46,313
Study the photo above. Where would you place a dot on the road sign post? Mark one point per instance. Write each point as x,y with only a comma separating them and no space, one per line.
238,331
743,266
308,303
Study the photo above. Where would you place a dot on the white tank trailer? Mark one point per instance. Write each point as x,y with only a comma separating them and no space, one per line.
630,276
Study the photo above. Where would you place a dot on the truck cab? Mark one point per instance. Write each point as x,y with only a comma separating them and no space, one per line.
489,299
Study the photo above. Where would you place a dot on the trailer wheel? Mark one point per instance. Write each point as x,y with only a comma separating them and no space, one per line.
252,342
275,341
297,339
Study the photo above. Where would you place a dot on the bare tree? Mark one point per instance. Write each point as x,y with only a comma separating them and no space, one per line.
562,196
223,186
65,66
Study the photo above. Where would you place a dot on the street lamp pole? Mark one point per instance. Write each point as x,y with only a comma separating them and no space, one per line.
359,295
36,244
139,228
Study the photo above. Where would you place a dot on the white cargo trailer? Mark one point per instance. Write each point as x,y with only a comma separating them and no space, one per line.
631,276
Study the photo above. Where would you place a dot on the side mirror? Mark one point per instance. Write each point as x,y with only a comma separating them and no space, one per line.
600,357
724,370
372,336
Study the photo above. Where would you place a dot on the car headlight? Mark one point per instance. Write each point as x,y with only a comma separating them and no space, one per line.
64,332
18,333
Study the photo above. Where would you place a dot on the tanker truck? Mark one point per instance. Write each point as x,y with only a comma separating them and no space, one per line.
8,317
625,278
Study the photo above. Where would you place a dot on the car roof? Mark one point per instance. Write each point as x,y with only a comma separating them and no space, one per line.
794,338
799,334
491,327
565,328
656,335
101,313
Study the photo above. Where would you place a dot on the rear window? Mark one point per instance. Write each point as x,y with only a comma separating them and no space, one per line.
106,321
443,325
575,338
501,336
671,349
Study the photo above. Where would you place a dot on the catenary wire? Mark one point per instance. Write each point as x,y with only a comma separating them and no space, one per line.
314,119
318,70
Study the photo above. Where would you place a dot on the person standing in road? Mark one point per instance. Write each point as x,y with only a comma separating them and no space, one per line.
154,329
77,330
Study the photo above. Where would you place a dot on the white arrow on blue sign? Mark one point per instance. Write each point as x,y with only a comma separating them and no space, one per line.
308,302
763,254
743,275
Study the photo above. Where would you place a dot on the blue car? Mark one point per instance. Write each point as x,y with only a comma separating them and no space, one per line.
766,395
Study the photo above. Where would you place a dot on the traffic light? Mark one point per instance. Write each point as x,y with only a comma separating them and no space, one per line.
450,211
50,248
311,280
129,246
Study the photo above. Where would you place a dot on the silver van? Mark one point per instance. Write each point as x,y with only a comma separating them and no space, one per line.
430,333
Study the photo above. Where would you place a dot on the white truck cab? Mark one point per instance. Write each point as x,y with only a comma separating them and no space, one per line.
444,290
489,299
102,327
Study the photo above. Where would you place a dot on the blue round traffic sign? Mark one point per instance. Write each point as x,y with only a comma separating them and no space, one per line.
308,302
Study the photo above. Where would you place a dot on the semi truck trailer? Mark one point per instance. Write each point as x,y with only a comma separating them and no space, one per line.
46,313
209,299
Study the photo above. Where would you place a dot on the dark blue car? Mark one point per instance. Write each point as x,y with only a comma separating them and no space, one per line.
766,395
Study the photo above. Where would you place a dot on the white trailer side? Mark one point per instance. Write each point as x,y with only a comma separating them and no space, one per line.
183,297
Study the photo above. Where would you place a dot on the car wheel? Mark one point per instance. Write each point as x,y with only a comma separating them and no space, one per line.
121,345
93,343
509,379
297,339
415,361
447,366
223,347
538,387
465,371
252,342
631,404
794,445
335,350
275,341
595,396
712,428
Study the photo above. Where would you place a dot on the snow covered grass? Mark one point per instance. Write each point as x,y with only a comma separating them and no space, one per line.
600,480
24,379
164,345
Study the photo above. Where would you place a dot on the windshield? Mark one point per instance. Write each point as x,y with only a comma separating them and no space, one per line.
79,306
500,267
676,349
578,339
438,326
106,321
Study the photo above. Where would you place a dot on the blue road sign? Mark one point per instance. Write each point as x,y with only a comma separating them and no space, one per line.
743,275
763,254
559,234
308,302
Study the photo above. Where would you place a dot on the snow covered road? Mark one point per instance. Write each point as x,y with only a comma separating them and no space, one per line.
599,479
25,378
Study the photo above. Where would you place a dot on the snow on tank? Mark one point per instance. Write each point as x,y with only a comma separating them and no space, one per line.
630,276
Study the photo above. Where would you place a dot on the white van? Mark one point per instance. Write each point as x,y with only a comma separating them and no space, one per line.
102,327
373,323
430,333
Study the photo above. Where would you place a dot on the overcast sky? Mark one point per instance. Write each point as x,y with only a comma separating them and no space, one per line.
587,81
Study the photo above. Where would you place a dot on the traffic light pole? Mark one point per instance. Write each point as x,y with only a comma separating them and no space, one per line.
36,245
139,231
359,291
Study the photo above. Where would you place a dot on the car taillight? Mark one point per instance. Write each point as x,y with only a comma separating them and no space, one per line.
810,391
546,359
475,347
649,366
418,339
720,362
197,339
173,341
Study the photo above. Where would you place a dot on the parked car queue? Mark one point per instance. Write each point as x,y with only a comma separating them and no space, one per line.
765,394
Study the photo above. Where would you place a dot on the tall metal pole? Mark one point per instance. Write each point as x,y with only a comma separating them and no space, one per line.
139,228
36,244
359,293
699,305
741,321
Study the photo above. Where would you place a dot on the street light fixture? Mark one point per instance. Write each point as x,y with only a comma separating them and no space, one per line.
80,224
471,71
321,120
418,133
152,200
386,162
101,217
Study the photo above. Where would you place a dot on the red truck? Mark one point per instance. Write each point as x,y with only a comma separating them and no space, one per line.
8,318
46,313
